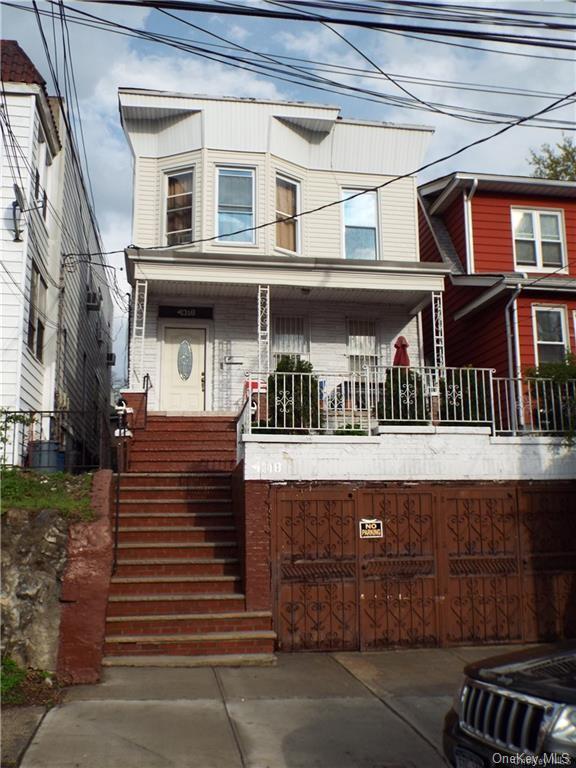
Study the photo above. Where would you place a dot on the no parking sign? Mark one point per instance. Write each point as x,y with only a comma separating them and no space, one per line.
371,529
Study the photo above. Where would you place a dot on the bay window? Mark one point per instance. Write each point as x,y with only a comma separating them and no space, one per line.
179,208
287,232
236,205
360,225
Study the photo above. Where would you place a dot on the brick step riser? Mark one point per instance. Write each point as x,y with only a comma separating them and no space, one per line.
141,465
175,481
157,553
184,446
176,588
187,519
174,536
192,433
156,494
196,569
188,627
172,453
167,607
201,423
215,648
183,507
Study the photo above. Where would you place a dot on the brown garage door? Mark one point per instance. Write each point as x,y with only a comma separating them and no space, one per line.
453,566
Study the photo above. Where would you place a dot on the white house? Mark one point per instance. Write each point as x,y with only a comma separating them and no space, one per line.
223,288
56,307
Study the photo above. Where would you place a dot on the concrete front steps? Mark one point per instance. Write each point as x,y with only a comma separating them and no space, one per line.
176,597
184,444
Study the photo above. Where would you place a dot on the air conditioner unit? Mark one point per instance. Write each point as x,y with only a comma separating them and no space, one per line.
111,358
93,300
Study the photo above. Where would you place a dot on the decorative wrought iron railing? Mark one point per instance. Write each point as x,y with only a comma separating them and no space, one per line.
534,405
358,402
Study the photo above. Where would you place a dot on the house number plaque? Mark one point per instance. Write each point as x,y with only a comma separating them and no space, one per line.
202,313
371,529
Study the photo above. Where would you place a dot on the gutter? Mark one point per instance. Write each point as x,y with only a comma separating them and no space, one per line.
512,334
468,226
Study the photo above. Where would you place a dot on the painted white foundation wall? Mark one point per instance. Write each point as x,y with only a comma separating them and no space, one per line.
445,455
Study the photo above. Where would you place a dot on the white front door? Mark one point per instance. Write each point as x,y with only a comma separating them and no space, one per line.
183,369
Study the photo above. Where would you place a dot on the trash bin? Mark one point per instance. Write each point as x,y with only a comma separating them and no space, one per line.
46,456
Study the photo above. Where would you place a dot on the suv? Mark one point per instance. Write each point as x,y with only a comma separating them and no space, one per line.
518,709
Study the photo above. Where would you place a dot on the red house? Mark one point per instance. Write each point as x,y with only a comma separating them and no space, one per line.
510,301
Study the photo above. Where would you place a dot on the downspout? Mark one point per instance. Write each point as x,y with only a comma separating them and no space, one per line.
468,226
513,363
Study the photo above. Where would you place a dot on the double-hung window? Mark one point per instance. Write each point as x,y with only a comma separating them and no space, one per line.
236,205
538,239
550,334
290,338
287,229
179,208
36,313
362,344
360,224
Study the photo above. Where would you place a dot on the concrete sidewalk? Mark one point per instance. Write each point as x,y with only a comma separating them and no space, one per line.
353,710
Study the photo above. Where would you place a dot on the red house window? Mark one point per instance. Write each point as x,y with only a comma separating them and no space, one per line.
538,239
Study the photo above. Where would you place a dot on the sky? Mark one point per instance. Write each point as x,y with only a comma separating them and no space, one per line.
103,62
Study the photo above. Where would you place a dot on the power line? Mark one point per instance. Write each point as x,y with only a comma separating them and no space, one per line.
258,12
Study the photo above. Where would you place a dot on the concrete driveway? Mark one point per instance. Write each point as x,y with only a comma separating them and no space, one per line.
343,710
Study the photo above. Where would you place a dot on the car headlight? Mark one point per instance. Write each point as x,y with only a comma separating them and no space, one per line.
564,728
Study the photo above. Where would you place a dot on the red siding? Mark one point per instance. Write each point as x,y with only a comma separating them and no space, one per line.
492,229
526,328
478,340
428,248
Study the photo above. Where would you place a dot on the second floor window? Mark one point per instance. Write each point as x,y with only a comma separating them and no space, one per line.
36,313
360,225
236,205
287,232
179,209
538,239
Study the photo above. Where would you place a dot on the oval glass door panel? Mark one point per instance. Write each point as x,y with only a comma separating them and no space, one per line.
184,360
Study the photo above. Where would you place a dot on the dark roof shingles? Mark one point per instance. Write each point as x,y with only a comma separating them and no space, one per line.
16,67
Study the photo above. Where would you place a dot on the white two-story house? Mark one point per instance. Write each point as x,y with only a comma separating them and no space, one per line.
252,242
55,302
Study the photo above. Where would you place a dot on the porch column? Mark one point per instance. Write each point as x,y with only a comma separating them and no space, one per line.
438,329
138,334
263,328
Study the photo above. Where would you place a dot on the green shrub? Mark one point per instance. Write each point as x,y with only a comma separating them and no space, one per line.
293,400
10,681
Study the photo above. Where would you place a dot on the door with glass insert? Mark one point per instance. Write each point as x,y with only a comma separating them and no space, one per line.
183,369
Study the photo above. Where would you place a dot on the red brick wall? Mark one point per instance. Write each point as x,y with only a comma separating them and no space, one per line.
258,545
85,589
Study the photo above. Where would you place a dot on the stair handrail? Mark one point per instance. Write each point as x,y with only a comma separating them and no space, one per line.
147,385
122,436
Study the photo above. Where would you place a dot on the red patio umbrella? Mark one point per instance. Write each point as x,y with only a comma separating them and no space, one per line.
401,357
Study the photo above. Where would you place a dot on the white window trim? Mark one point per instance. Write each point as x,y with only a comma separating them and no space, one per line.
343,218
177,172
548,308
231,243
539,267
297,221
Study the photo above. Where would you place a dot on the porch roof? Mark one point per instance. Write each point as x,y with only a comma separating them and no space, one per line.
329,277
